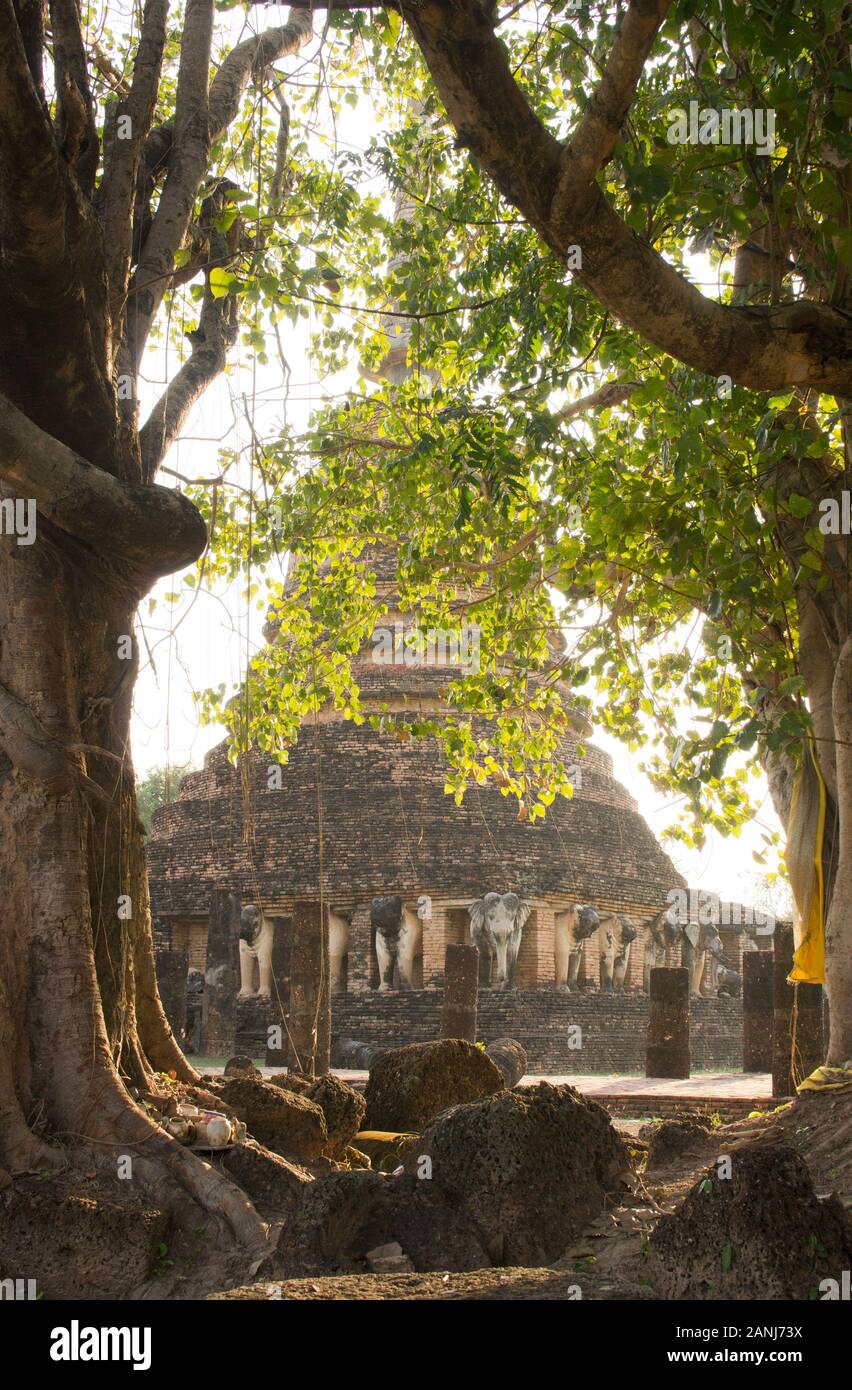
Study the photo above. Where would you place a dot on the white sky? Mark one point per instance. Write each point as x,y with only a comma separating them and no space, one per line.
204,640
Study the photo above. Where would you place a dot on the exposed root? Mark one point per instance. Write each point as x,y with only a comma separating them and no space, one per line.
201,1187
156,1037
179,1179
22,1151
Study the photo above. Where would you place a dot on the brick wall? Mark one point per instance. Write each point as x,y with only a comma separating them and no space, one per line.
388,827
612,1027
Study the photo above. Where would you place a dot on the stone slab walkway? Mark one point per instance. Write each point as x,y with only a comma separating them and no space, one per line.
704,1086
723,1085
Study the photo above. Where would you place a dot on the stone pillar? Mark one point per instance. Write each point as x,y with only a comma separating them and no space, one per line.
172,969
796,1050
360,971
279,1005
221,975
667,1048
309,1023
758,969
461,986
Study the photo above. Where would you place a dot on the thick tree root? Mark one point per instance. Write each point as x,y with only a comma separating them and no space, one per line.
21,1151
193,1186
179,1179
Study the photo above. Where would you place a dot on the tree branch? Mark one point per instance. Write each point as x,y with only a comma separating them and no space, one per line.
150,531
248,60
30,15
117,192
32,195
763,347
53,350
613,393
71,71
593,142
156,261
187,167
217,332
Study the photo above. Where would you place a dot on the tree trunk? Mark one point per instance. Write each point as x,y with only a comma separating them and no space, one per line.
838,937
80,1015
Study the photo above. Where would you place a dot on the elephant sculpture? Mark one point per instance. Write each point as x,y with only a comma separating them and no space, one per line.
616,936
399,936
729,983
571,929
194,1011
661,933
496,927
338,950
699,941
257,934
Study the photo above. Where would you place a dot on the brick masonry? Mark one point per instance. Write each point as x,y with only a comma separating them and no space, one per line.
389,827
612,1027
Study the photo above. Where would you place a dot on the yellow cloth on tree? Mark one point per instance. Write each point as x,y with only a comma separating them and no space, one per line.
827,1079
804,862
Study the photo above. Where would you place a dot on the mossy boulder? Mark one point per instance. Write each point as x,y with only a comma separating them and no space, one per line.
530,1168
291,1125
342,1106
343,1216
761,1233
409,1086
670,1139
273,1183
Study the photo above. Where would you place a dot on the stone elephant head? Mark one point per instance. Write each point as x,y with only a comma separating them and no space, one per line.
587,922
570,929
703,937
664,929
399,935
251,923
496,927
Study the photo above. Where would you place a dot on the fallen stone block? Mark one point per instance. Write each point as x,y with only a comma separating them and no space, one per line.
409,1086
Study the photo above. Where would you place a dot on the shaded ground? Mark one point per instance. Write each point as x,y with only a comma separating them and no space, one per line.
609,1261
493,1285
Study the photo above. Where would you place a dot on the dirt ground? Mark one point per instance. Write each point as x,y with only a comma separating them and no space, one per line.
609,1261
493,1285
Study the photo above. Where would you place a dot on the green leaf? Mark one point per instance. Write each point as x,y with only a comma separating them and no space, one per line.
800,506
791,684
222,282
